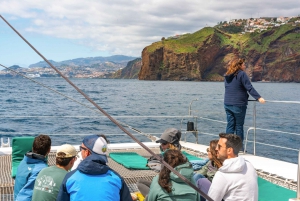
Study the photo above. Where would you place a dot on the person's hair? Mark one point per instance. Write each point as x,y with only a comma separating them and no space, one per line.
233,141
41,144
234,66
60,160
173,158
104,137
212,148
174,147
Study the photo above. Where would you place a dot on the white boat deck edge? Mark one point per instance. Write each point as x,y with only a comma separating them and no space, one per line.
272,166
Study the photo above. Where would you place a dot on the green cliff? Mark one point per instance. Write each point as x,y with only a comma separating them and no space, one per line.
271,55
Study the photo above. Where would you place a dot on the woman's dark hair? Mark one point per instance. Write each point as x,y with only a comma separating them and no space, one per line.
173,158
212,148
41,144
234,66
60,160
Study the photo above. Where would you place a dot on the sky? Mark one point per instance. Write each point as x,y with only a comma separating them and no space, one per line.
69,29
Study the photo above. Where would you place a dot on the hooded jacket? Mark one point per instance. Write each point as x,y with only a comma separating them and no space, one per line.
180,190
93,180
236,88
28,170
235,180
208,170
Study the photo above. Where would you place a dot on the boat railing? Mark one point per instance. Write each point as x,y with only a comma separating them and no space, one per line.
254,128
193,115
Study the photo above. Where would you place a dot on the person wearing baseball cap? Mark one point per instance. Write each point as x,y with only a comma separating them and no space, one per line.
170,139
93,178
49,180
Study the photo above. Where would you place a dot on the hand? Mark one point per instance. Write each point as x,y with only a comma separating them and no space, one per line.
261,100
133,196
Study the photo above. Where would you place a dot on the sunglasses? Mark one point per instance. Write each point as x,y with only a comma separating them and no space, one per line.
164,143
207,150
82,148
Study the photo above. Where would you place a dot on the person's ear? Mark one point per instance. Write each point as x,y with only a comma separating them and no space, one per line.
230,150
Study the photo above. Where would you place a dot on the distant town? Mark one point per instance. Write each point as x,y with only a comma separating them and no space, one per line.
252,24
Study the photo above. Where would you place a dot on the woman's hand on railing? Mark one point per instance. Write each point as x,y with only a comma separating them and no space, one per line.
261,100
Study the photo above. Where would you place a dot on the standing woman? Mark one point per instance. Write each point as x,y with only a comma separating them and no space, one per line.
237,87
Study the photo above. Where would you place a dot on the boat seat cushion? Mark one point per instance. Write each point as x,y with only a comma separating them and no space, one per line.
20,146
130,160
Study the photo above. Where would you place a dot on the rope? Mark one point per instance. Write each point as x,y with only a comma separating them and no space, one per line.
93,116
112,119
124,124
274,146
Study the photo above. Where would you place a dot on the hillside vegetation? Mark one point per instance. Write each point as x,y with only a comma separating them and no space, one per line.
271,55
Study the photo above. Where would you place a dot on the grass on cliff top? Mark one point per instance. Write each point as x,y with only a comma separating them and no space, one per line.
258,41
185,44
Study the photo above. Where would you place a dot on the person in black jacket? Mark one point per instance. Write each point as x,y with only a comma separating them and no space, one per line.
237,87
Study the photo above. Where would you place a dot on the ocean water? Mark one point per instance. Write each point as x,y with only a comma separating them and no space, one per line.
149,106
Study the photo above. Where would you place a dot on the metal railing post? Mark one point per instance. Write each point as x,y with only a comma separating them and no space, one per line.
254,126
298,178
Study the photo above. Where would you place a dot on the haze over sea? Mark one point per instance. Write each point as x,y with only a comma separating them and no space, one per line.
30,109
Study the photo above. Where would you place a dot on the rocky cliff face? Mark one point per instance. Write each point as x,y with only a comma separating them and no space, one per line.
273,55
130,71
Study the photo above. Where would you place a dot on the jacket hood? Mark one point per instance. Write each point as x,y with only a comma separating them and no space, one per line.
93,165
34,158
185,170
233,165
230,77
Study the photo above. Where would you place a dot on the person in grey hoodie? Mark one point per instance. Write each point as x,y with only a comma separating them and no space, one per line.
237,87
237,178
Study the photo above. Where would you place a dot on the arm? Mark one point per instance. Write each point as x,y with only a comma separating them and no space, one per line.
124,192
63,194
153,191
26,192
203,170
218,187
248,86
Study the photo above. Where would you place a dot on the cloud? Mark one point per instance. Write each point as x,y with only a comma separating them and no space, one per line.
127,26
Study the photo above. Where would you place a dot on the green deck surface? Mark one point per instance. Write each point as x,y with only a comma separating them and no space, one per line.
268,191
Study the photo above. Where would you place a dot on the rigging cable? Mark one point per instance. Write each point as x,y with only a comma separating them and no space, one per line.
74,100
112,119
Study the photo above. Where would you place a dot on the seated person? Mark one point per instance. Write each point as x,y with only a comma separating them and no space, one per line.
167,185
93,179
49,180
169,140
79,156
32,163
211,167
205,175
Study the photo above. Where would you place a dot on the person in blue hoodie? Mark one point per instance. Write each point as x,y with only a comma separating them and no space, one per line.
237,87
32,163
93,179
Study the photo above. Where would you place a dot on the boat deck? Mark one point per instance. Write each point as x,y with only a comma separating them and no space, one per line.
268,169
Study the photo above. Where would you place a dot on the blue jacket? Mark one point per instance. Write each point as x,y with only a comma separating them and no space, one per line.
27,172
236,88
93,180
